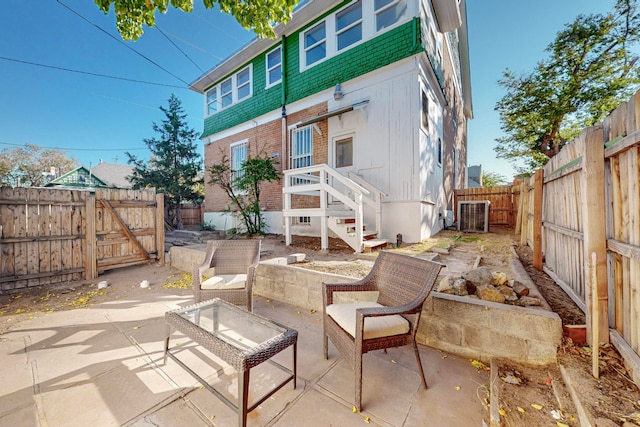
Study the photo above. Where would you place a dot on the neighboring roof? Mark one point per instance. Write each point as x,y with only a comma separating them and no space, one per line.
113,175
79,177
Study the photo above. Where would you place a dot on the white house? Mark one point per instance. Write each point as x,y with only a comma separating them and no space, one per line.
364,103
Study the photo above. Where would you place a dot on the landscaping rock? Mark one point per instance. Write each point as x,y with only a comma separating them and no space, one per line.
508,293
460,287
520,289
499,278
489,293
446,285
529,301
479,276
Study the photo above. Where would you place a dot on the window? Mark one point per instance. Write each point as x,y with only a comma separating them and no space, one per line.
226,93
243,84
238,157
315,45
389,12
212,101
274,66
302,220
344,152
425,110
301,150
439,151
349,25
231,90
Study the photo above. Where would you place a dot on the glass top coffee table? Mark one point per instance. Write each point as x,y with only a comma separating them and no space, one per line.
242,339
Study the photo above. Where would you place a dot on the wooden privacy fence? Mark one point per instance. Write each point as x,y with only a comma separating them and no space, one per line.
192,214
50,236
503,202
586,200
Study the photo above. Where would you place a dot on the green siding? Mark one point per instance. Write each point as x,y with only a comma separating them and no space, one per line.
389,47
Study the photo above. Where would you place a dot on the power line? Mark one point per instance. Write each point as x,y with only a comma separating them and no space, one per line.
194,46
77,149
177,47
89,73
121,42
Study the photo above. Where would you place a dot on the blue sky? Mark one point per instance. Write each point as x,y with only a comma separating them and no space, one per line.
95,118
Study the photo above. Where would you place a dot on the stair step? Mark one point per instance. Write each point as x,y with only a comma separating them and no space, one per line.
374,244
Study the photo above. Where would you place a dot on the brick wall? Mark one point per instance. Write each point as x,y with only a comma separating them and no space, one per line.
266,138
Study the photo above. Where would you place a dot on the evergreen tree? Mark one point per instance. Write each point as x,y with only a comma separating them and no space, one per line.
175,167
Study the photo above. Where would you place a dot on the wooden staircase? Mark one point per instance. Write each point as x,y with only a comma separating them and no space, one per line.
344,216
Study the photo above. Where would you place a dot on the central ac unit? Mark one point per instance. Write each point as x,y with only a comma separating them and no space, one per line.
473,216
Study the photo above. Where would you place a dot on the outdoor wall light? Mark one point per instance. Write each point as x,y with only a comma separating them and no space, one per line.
337,93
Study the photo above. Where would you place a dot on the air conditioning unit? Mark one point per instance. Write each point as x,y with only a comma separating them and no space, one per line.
473,216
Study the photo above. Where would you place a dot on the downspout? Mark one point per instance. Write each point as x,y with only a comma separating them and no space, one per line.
283,88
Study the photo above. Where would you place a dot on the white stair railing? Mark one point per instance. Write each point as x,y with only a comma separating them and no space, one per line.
320,180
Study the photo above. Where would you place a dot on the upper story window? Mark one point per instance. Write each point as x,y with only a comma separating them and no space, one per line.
230,91
212,101
349,25
315,43
388,12
274,66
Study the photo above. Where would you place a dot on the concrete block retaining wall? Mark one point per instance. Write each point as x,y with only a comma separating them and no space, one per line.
467,327
483,330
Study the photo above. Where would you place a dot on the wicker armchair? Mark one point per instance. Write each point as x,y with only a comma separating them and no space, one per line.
228,272
403,283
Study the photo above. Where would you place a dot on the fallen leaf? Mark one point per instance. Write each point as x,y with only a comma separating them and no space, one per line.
502,412
354,410
536,406
479,365
458,388
547,381
444,357
393,361
367,420
561,424
520,410
136,327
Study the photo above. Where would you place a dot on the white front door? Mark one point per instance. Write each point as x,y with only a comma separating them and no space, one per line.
341,154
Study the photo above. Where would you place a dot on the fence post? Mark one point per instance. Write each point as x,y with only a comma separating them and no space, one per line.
160,227
593,191
537,218
90,238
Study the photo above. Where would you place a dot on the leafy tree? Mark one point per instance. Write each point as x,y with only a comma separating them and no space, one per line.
175,167
243,187
589,71
257,15
29,165
493,179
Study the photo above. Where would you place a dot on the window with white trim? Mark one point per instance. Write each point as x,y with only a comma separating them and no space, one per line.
344,152
212,101
243,84
238,156
315,43
231,90
349,25
226,92
389,12
301,150
274,66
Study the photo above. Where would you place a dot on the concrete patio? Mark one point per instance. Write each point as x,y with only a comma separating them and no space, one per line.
103,366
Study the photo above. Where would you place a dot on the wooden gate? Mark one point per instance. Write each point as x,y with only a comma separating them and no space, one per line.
51,236
128,228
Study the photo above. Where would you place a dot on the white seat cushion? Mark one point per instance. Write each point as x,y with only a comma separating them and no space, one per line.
225,281
374,327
